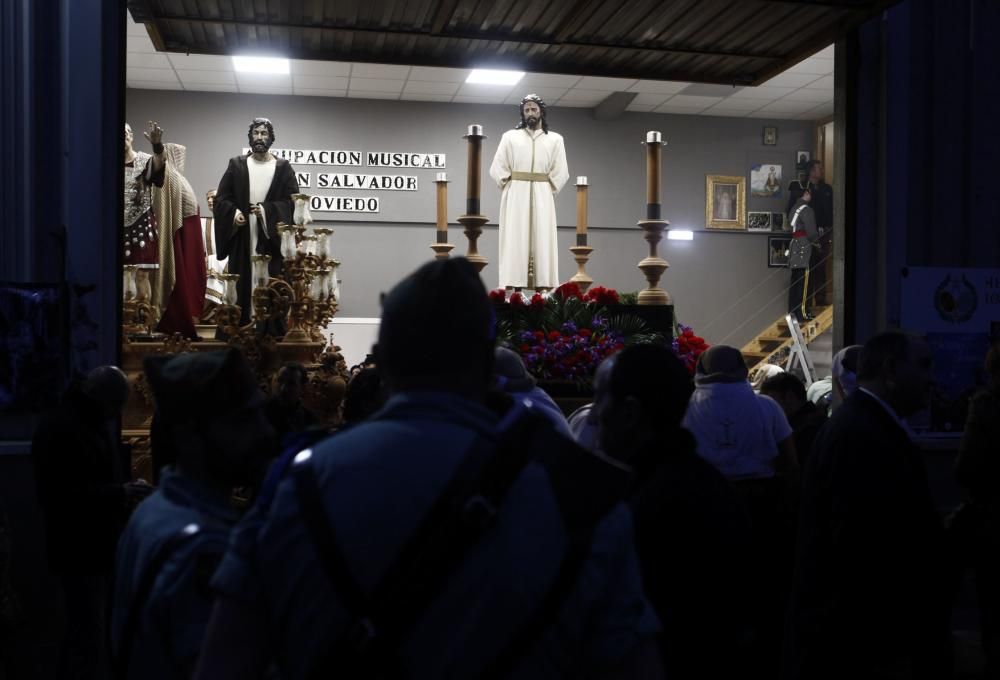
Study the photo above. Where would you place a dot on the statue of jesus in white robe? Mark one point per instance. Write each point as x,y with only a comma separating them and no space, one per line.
530,168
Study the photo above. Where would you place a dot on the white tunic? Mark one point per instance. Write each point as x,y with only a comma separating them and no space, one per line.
529,250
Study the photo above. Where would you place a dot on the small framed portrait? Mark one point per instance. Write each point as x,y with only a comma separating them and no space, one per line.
802,159
777,251
765,180
778,222
758,221
725,202
770,135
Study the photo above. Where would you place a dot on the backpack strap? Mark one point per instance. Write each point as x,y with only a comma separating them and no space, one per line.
587,488
461,515
144,589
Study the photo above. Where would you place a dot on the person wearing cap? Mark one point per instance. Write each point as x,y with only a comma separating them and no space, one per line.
209,414
871,593
82,488
800,251
511,376
530,169
254,194
746,436
303,583
690,526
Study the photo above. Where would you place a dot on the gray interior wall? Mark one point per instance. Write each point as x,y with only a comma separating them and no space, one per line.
720,281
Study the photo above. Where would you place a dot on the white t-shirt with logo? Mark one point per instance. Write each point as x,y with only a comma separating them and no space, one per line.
737,430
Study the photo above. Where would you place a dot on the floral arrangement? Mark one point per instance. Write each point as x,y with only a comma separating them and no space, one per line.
567,334
688,346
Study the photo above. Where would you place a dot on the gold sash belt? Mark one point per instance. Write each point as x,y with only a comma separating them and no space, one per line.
529,176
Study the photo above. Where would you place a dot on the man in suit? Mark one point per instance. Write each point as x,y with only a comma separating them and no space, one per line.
868,595
254,195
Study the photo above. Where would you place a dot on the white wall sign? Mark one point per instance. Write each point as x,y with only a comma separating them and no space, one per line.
351,204
352,181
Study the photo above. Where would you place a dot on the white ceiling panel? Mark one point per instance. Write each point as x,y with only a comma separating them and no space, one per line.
606,84
680,109
132,28
576,104
807,95
201,62
648,99
319,82
145,60
430,87
579,95
264,82
380,71
477,99
824,83
436,74
151,75
790,80
730,104
545,80
147,85
640,108
139,43
761,93
725,114
493,92
783,106
813,65
549,95
302,67
689,102
376,85
207,77
424,97
658,86
360,94
308,92
825,53
210,87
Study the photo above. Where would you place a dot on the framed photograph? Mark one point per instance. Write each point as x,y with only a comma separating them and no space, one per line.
778,222
802,159
725,202
758,221
770,136
765,180
777,251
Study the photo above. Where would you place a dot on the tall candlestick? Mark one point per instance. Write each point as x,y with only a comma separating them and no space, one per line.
441,246
653,265
654,144
472,220
475,137
581,211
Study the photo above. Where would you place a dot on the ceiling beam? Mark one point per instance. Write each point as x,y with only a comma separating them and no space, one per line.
486,37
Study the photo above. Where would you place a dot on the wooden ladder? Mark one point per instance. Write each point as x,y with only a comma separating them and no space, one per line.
775,342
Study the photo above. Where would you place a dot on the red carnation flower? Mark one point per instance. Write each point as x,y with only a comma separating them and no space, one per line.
517,300
537,301
498,295
568,290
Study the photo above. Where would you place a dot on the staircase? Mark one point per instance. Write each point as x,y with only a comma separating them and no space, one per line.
773,343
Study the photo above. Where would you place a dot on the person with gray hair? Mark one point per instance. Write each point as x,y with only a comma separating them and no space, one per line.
511,377
870,594
82,485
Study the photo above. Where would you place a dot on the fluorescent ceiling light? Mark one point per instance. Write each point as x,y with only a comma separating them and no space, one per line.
260,65
484,76
680,235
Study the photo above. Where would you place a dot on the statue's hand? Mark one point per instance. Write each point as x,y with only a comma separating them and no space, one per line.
153,133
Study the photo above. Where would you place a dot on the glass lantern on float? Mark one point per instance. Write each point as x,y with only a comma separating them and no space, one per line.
334,281
322,235
128,282
260,270
301,216
287,234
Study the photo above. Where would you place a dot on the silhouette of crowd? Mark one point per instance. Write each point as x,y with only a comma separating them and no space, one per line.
454,528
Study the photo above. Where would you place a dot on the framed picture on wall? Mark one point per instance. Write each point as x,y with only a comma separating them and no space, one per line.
770,135
777,251
802,159
778,222
758,221
725,202
765,180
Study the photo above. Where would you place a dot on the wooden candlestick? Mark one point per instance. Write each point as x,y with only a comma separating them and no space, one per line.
441,247
653,265
472,220
581,251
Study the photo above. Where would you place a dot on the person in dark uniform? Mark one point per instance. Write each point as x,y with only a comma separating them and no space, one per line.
822,205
